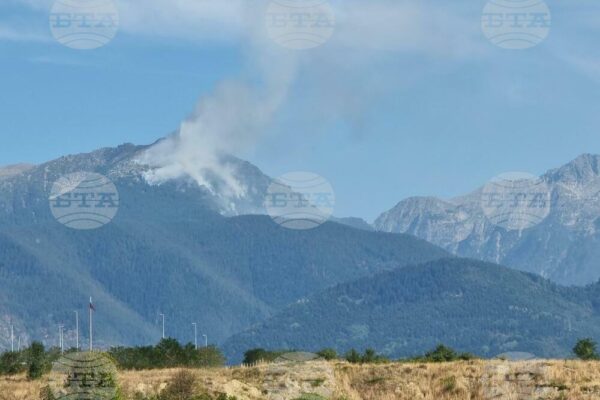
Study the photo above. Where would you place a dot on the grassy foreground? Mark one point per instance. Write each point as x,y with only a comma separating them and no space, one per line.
468,380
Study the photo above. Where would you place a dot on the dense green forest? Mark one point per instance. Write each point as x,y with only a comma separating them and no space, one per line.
479,307
168,251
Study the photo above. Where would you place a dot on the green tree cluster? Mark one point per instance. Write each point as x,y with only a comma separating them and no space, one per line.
369,356
586,349
168,353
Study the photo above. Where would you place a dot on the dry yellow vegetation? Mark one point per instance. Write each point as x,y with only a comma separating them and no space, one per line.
469,380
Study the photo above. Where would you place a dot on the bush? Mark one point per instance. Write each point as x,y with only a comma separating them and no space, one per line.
328,354
353,356
46,393
11,363
36,360
369,356
181,387
168,353
254,355
585,349
444,354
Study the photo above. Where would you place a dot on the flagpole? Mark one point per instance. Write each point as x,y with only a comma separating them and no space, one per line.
77,330
91,327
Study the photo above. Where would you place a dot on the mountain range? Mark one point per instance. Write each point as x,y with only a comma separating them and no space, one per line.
187,251
564,247
172,249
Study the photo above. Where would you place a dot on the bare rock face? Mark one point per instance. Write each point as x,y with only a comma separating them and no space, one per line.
563,246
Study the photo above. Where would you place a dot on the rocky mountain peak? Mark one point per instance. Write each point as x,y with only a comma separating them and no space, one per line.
582,170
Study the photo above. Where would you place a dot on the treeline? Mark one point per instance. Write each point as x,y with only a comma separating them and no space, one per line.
585,349
168,353
34,360
369,356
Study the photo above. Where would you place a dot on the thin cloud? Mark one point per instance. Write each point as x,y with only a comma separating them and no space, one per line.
12,34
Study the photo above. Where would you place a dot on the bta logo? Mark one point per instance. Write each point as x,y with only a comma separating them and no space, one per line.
298,20
516,24
85,20
84,24
300,24
517,200
86,200
299,200
517,20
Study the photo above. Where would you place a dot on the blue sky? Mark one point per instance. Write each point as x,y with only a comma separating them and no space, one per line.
406,98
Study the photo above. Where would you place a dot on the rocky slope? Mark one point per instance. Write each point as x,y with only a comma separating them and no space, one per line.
562,244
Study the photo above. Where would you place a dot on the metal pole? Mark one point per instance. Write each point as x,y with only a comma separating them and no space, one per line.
163,325
195,335
77,330
91,328
12,338
19,347
60,335
205,340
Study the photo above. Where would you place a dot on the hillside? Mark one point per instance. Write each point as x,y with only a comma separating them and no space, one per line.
466,304
170,249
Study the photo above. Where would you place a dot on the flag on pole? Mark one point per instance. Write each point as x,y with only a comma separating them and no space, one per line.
92,309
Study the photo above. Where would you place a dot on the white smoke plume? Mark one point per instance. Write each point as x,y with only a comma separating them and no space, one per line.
229,121
234,117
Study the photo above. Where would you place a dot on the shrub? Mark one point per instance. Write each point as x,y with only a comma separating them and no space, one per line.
11,363
36,360
181,387
254,355
585,349
444,354
168,353
46,393
449,384
353,356
328,354
441,354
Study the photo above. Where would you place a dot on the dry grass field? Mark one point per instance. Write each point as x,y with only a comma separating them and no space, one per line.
470,380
